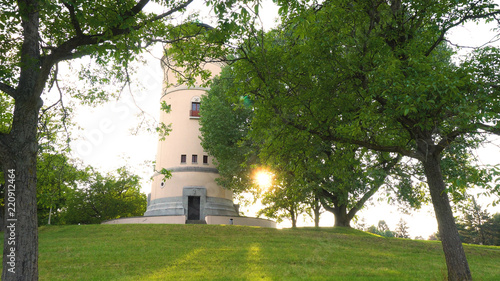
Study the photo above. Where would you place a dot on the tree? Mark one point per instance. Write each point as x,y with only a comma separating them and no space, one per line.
36,36
382,226
56,177
313,208
224,127
104,198
341,177
349,178
55,172
379,75
382,229
434,237
284,200
61,198
476,226
494,229
361,224
402,229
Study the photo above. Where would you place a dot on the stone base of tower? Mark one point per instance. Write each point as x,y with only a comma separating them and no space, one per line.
220,220
179,206
194,204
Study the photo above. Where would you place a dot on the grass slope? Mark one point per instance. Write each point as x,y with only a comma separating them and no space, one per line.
210,252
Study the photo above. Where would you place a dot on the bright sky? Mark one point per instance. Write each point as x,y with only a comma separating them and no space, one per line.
106,142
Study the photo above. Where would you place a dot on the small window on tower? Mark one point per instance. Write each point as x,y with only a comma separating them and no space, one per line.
183,159
205,159
195,159
195,109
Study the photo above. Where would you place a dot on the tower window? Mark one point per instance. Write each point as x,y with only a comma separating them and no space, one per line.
205,159
183,159
195,109
195,159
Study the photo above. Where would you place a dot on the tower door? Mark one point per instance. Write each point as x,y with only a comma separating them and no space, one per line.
193,207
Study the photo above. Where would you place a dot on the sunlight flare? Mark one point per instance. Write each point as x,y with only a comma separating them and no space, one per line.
263,178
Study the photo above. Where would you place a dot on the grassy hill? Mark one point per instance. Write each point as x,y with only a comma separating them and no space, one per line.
209,252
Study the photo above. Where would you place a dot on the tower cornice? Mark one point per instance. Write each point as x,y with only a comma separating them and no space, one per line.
184,88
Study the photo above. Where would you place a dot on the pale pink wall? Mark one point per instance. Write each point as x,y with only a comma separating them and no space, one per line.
183,139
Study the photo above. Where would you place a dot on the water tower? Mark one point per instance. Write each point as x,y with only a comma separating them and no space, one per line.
192,191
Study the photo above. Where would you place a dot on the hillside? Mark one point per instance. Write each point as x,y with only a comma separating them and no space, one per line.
208,252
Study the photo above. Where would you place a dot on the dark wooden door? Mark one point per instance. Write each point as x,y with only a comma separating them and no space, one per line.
193,207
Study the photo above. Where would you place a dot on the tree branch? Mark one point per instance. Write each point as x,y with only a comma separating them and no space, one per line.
136,9
67,49
325,194
74,20
331,137
441,37
376,186
447,140
178,8
8,90
489,129
369,145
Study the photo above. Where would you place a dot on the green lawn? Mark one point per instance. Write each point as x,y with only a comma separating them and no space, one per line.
208,252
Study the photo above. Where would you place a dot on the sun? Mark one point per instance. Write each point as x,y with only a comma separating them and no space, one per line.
263,178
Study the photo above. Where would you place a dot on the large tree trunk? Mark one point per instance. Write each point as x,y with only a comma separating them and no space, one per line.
20,251
342,218
339,211
456,261
18,152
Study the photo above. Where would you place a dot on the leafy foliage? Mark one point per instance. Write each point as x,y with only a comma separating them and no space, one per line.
56,178
105,197
285,199
6,111
224,129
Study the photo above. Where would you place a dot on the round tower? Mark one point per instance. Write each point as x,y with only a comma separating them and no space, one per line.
192,190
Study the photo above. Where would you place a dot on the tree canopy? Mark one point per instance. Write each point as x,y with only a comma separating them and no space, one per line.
106,197
379,75
308,169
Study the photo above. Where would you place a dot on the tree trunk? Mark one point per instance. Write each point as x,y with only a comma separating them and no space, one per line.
293,217
317,214
18,150
20,251
50,213
339,211
342,218
456,261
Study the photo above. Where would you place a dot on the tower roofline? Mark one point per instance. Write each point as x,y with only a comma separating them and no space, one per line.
183,88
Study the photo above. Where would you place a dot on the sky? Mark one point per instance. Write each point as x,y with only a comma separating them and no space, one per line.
105,141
